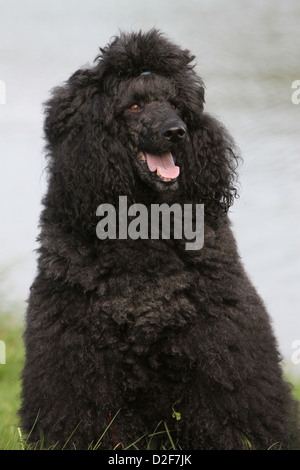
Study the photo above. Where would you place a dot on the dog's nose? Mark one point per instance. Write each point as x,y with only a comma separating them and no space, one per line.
174,133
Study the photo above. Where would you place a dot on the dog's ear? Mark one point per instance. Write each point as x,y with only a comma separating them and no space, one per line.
83,142
63,108
213,159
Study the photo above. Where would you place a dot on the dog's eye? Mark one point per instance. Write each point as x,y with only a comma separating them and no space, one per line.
135,107
173,107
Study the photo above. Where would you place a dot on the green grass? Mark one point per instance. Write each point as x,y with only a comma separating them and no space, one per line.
296,390
11,333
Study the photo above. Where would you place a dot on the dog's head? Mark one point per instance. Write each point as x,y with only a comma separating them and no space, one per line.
155,130
135,119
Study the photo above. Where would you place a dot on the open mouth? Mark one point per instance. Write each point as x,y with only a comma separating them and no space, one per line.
161,166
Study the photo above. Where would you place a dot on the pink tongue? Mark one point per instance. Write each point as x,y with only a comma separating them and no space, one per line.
163,164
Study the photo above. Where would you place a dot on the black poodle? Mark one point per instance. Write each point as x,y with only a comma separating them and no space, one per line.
142,330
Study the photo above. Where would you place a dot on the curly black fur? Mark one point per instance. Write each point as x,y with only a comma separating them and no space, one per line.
145,326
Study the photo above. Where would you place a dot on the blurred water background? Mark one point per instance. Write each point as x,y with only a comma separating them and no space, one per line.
248,53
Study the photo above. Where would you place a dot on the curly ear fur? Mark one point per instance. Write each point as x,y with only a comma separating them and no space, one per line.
87,163
214,159
66,104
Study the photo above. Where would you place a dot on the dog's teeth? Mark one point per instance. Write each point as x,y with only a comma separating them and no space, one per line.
141,156
163,178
